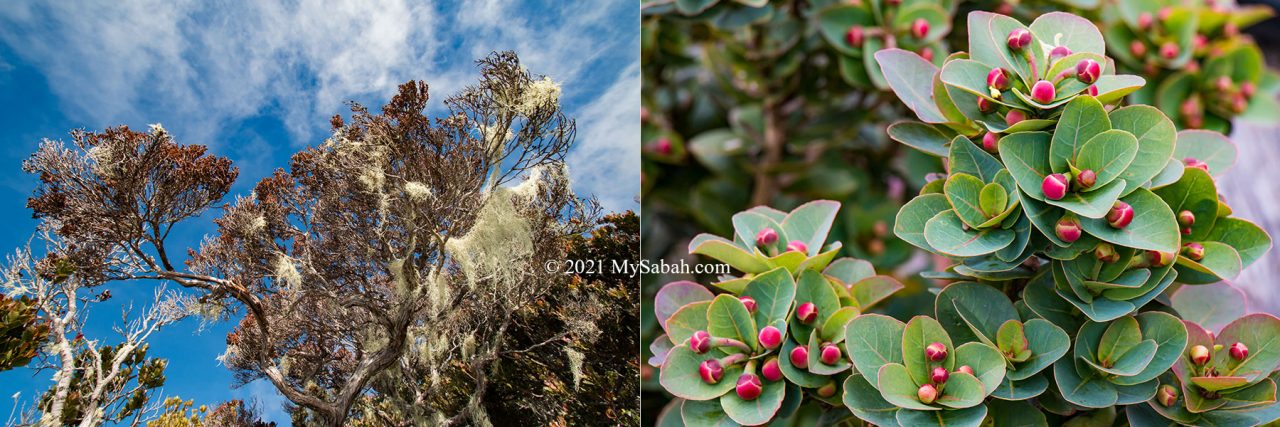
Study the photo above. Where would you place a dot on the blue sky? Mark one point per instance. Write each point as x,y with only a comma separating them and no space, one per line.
258,82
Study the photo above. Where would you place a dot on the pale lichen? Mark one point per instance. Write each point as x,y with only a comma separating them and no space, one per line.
575,365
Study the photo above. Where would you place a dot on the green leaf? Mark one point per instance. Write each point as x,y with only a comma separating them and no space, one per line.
815,358
897,387
728,317
946,234
970,417
911,78
1170,336
747,225
811,222
1194,192
1172,173
850,270
1259,332
1065,29
758,411
725,251
1132,362
1212,148
873,340
971,311
1048,343
1156,135
993,200
1120,336
874,44
679,375
1041,298
1212,306
774,291
967,158
801,377
1016,414
1218,383
1082,118
1249,240
971,77
964,193
675,295
1021,390
1092,204
866,403
1154,226
873,289
1026,154
703,413
918,334
921,136
1012,341
1108,154
834,22
1220,262
833,330
988,44
688,319
813,287
911,220
1089,391
987,364
963,390
1112,88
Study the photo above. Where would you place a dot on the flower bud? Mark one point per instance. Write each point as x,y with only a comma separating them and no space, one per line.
1169,50
1159,259
1239,104
926,53
1193,162
1186,218
1093,90
1164,13
1223,83
998,79
1193,251
1167,395
770,337
1019,39
1086,179
986,105
830,354
1137,48
1230,30
1199,355
1014,116
1059,52
966,369
855,36
920,28
939,375
1088,71
807,313
1199,42
990,142
936,351
711,371
828,389
1106,253
771,370
798,246
1238,351
1043,92
700,342
1144,21
927,393
767,237
1120,215
800,357
749,387
1068,229
1054,186
662,146
1247,88
748,302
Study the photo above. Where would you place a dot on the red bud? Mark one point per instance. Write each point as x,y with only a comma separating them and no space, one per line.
1193,251
766,237
748,302
711,371
936,351
807,313
1093,90
749,387
1120,215
830,354
1137,48
1193,162
1144,20
1238,351
828,389
1159,259
1106,253
798,246
1167,396
986,105
966,369
1059,52
939,375
855,36
1088,71
1068,229
770,337
800,357
1186,218
1014,116
1199,355
700,342
927,393
771,370
1054,186
1086,179
998,78
1019,39
1247,88
926,53
920,28
1169,50
1043,92
662,146
990,142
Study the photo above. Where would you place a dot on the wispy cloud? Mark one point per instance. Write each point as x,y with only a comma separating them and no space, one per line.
606,161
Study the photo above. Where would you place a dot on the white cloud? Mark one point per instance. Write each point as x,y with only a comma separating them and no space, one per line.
606,160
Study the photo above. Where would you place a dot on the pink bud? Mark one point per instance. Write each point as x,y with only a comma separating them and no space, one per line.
766,237
1067,229
1167,396
771,370
1247,88
1199,41
1137,48
1086,179
711,371
807,313
1144,20
1088,71
798,246
1019,39
1120,215
998,79
828,389
1106,253
1169,50
936,351
663,146
1043,92
926,53
1093,90
1199,355
1054,186
749,387
1223,83
939,375
966,369
1164,13
1239,104
986,105
920,28
1193,162
700,342
1238,351
748,302
990,142
830,354
1059,52
1230,30
644,114
1159,259
1193,251
770,337
1014,116
855,36
800,357
927,393
1186,218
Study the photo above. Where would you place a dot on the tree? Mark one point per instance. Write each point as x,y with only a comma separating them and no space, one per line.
400,230
21,331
